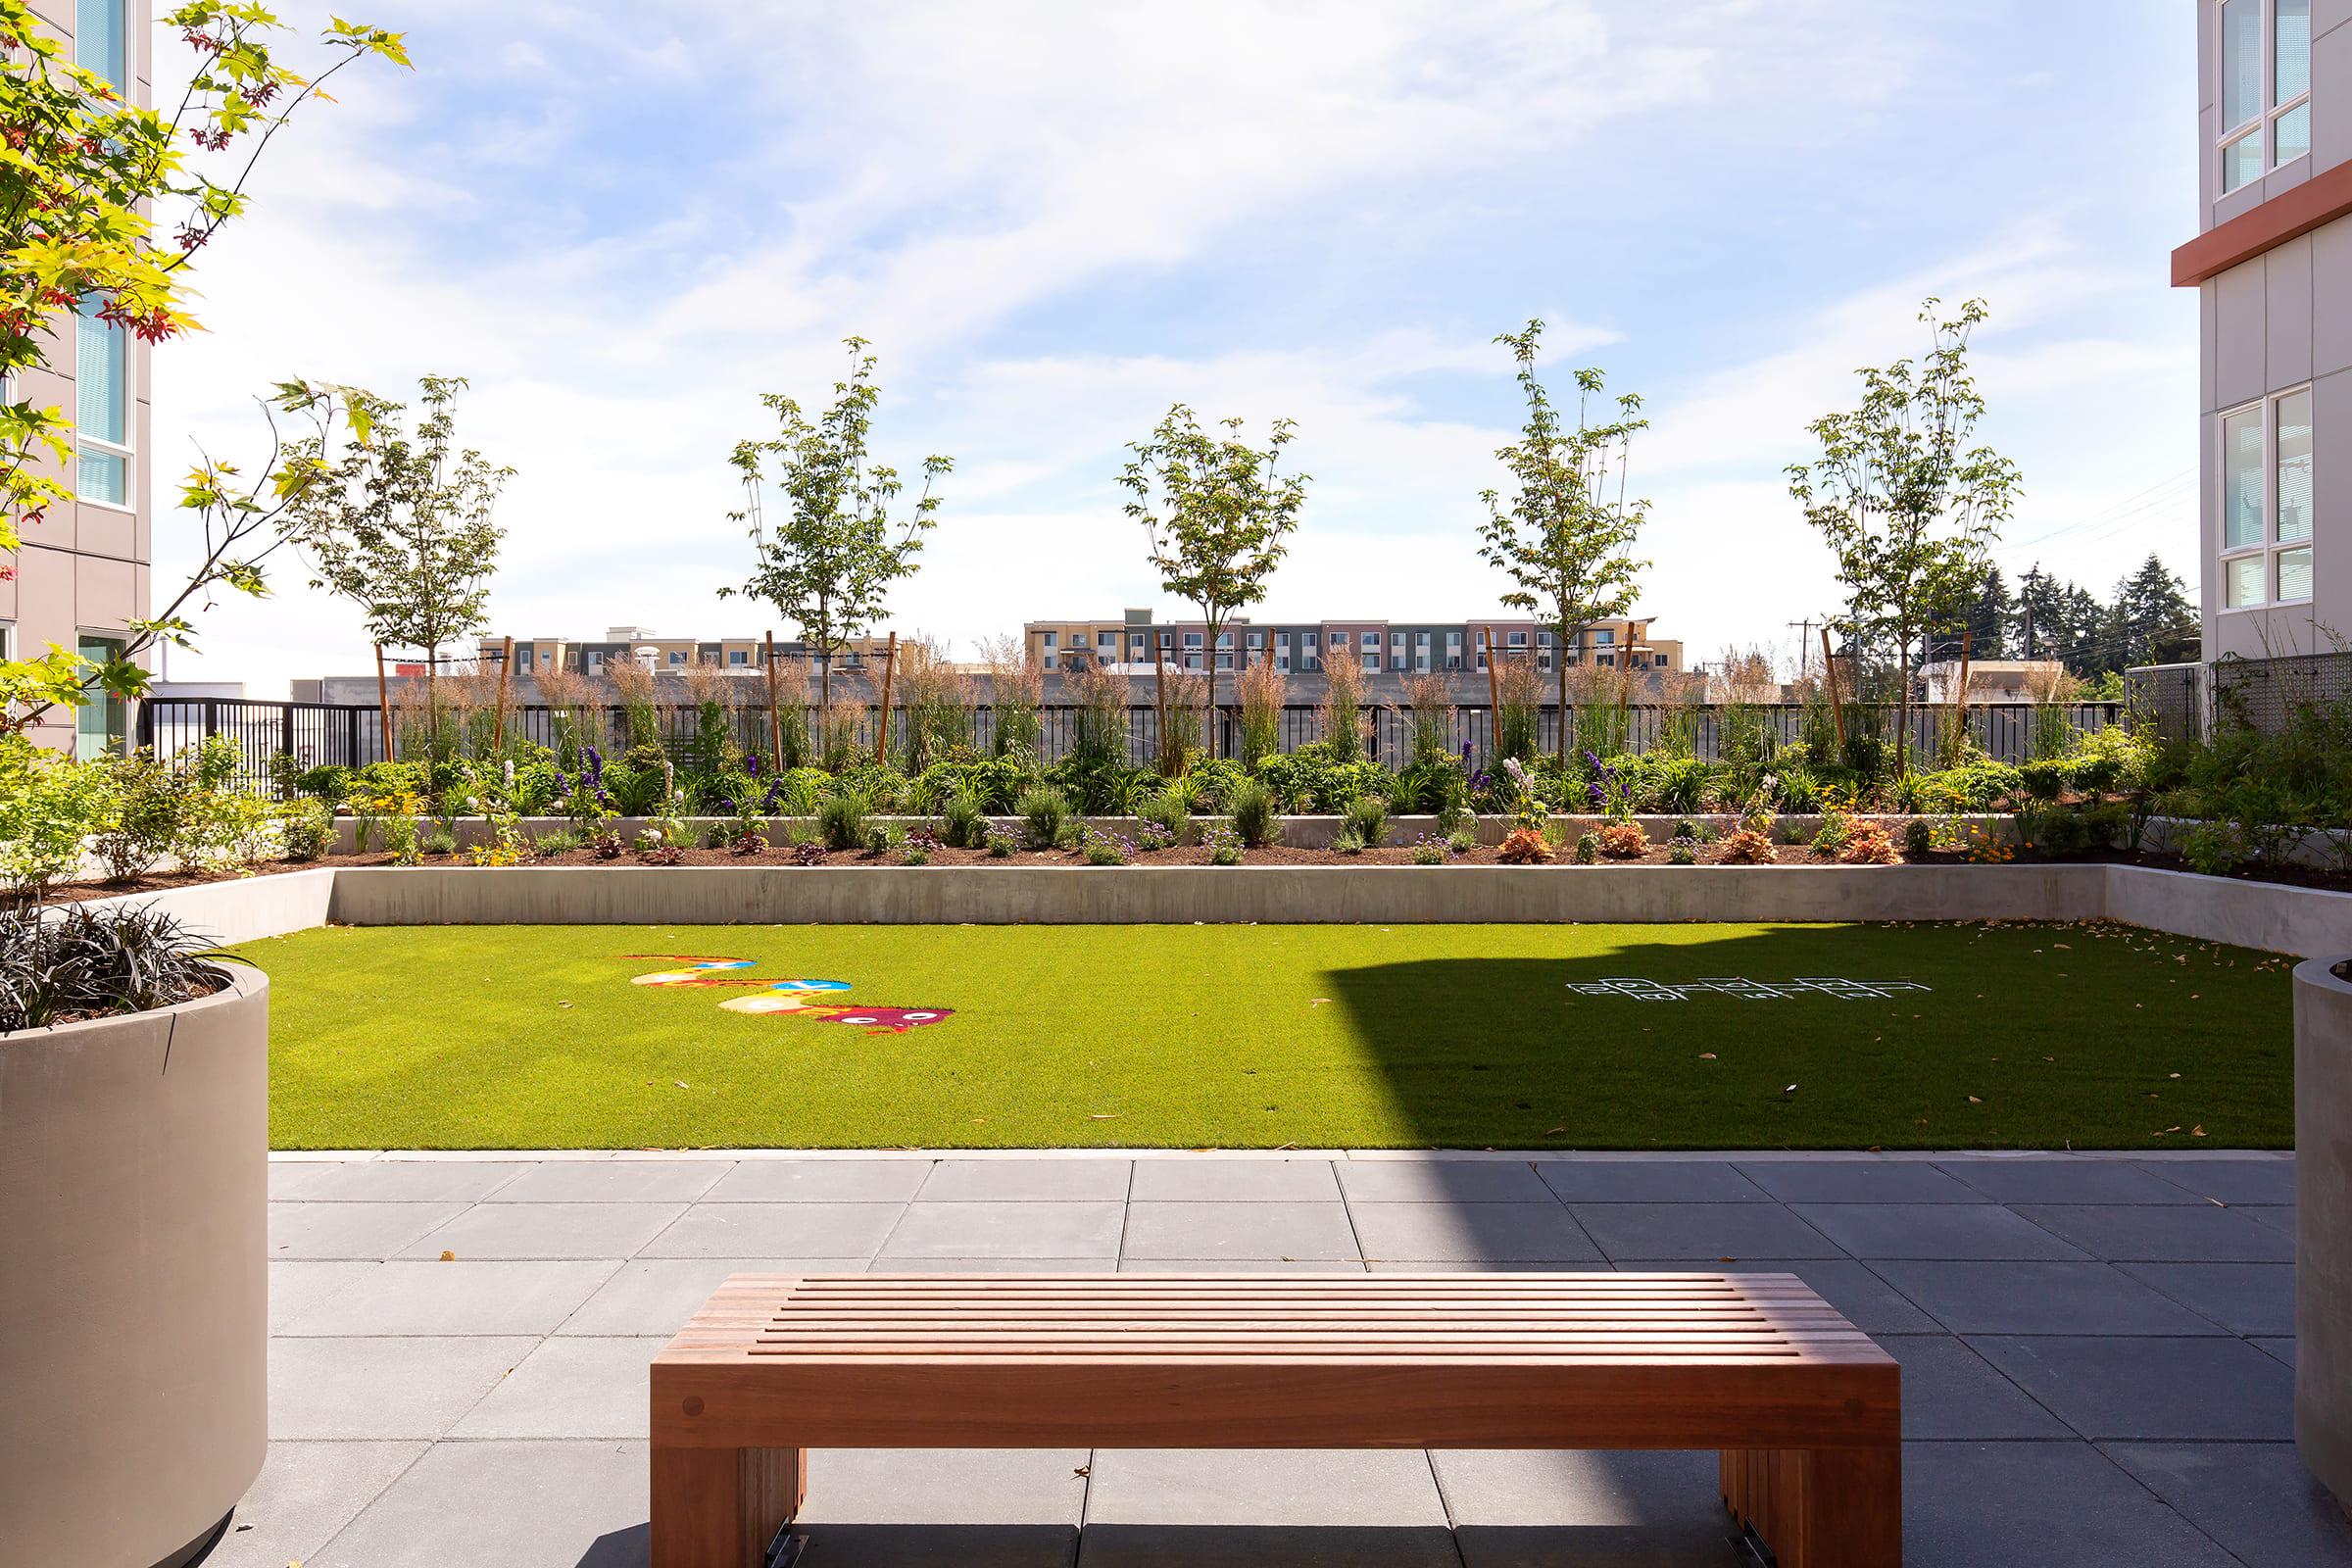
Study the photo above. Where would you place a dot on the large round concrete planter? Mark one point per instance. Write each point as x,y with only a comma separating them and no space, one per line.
2323,1223
134,1279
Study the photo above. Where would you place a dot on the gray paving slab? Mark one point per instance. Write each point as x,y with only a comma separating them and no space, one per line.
301,1229
2250,1298
1158,1546
1477,1233
1569,1487
2038,1505
2256,1498
2159,1389
2280,1348
1263,1487
571,1388
296,1285
1866,1300
1857,1181
404,1181
1977,1231
383,1388
306,1492
1053,1181
2230,1181
776,1230
1442,1181
820,1181
613,1181
1597,1546
1648,1181
1243,1265
2066,1181
442,1298
657,1295
1010,1229
2195,1233
1950,1392
515,1504
2280,1217
1700,1231
491,1231
287,1179
1235,1180
1215,1232
2038,1298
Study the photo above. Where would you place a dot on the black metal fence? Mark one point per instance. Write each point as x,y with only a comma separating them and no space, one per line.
350,735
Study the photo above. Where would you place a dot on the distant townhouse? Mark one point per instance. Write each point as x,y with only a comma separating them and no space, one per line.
2273,265
1376,647
665,656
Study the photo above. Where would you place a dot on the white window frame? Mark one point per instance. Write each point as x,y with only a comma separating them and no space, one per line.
2268,111
2269,547
112,449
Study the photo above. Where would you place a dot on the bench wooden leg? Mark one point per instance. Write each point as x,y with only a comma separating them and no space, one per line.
1820,1507
720,1507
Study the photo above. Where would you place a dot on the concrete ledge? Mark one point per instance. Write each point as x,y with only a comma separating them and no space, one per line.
1274,894
2323,1223
2270,916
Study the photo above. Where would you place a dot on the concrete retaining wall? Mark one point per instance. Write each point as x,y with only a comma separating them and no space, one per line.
1285,895
2271,917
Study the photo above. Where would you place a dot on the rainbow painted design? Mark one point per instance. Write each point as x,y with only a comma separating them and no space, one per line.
800,999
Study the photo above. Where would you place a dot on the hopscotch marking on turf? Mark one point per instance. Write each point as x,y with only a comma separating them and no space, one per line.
812,999
1744,990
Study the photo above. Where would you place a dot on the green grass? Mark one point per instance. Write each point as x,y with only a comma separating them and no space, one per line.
467,1037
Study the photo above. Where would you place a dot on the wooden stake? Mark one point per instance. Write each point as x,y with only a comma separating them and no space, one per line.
383,705
1495,696
776,718
1960,700
498,728
1159,695
890,663
1828,665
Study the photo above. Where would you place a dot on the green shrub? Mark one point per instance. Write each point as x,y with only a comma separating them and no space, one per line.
1313,779
149,805
2212,849
2043,778
1224,846
884,838
309,829
1348,842
883,788
1368,820
999,846
1427,852
1918,838
1588,848
1682,851
636,790
1213,781
1462,840
331,782
1255,817
1170,813
1045,814
964,823
440,840
1102,847
841,821
557,840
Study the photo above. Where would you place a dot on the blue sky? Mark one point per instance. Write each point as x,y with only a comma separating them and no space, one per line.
623,222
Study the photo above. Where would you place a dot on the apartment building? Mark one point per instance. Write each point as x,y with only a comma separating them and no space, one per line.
1378,647
665,656
2273,265
81,577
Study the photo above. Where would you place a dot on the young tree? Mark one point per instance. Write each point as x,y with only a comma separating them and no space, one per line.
1906,505
1218,514
85,180
1563,536
829,565
403,528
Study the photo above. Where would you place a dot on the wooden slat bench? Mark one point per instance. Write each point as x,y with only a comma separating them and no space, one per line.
1805,1409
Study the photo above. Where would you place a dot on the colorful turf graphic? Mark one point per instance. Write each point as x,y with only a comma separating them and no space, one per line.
800,999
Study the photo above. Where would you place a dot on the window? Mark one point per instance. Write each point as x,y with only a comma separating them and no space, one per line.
1257,639
736,656
1047,638
102,402
2264,90
677,657
1191,639
1224,639
596,662
1372,664
1107,638
1338,639
102,40
98,726
1371,641
1605,638
2266,474
1421,639
1515,639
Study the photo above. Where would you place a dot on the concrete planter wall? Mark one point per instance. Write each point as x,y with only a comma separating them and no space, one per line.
2324,1224
134,1279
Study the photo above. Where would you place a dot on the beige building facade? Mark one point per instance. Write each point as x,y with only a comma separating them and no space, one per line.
1376,647
2273,265
83,575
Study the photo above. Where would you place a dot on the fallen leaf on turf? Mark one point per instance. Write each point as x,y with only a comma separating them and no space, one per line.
2196,1132
1318,1001
562,1004
680,1082
1973,1101
1548,1131
1790,1089
2172,1075
1706,1055
1104,1116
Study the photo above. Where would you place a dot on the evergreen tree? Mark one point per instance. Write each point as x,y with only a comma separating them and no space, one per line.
2155,622
1989,618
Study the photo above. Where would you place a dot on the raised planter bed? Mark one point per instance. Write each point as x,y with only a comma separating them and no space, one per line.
2323,1222
134,1291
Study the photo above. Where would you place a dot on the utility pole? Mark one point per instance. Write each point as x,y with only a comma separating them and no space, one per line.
1805,646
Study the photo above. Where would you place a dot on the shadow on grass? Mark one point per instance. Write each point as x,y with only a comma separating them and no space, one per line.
1503,1052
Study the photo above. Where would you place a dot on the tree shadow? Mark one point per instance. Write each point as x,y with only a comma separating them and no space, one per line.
1508,1052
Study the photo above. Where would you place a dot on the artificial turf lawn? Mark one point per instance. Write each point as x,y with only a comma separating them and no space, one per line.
528,1037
